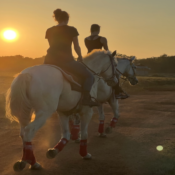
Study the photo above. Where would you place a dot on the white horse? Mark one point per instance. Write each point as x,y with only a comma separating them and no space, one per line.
105,94
126,68
42,90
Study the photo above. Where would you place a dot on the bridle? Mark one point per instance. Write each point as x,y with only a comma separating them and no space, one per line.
111,81
113,67
128,76
111,57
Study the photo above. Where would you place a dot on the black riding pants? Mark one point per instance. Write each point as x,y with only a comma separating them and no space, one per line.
117,87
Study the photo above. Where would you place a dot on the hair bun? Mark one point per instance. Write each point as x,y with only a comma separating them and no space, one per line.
61,15
57,12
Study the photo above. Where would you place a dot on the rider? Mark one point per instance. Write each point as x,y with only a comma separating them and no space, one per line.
94,41
60,38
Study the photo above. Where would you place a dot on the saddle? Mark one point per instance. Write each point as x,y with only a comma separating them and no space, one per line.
75,82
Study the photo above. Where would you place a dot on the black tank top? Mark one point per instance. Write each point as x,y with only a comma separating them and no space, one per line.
93,44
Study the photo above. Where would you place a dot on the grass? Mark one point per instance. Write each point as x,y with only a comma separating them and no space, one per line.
147,84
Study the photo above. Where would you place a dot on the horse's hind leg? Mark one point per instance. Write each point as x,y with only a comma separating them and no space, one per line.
20,165
27,134
85,119
115,108
101,124
74,125
52,152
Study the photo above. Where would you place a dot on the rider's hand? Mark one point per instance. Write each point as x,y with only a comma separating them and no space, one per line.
80,59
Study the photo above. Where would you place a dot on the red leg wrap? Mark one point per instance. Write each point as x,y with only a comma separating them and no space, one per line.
101,127
61,144
83,148
28,155
75,132
113,122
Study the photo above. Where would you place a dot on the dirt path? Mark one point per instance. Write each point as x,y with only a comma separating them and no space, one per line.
146,122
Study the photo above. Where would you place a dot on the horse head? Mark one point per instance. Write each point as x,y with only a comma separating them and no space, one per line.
131,72
127,69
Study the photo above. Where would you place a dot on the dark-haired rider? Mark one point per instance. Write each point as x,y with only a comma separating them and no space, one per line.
60,38
94,41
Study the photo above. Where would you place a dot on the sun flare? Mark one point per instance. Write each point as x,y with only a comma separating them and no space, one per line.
9,35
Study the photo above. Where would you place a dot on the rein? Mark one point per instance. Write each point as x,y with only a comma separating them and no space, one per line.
106,69
112,64
113,71
125,78
90,69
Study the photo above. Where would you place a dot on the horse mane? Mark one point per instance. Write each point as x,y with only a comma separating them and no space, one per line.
95,53
99,53
121,58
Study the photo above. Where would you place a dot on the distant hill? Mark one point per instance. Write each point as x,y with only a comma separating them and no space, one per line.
18,63
161,64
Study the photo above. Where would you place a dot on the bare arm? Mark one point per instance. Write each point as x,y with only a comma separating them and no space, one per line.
105,43
85,42
77,48
48,42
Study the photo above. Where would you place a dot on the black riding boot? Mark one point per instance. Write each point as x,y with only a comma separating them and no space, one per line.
87,101
119,93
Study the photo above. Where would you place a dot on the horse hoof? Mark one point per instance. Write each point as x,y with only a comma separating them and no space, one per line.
36,166
19,166
108,130
51,153
102,135
77,141
87,157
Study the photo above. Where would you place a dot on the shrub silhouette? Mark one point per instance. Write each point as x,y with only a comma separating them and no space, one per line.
161,64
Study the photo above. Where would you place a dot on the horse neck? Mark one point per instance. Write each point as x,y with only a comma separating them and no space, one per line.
97,63
122,65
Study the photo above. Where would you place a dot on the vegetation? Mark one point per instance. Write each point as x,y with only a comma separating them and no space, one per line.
150,84
18,63
162,64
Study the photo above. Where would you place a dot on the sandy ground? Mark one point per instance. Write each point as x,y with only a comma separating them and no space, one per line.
146,121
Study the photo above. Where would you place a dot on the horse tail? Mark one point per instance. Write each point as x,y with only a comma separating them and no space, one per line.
18,107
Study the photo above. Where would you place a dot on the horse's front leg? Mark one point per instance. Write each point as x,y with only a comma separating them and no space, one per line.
113,102
52,152
101,124
85,118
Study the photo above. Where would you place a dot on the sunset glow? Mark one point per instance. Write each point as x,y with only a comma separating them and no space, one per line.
140,28
9,35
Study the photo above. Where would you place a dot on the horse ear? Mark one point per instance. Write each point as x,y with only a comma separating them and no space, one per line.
114,53
132,58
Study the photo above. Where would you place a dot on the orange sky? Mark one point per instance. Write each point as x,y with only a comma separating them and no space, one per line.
143,28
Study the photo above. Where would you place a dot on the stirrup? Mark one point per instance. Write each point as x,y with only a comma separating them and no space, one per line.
121,96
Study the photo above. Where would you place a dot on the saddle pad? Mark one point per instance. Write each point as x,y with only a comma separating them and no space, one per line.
76,86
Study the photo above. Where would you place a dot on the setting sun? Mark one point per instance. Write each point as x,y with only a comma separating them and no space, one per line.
10,34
